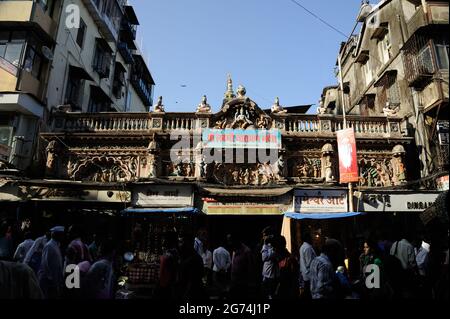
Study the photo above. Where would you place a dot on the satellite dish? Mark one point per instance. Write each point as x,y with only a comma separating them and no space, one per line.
48,54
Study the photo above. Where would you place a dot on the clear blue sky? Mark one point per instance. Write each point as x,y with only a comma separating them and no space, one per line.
272,47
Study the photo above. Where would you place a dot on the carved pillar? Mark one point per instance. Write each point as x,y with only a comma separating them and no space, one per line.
398,165
327,164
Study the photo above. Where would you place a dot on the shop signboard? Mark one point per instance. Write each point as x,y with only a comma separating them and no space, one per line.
320,201
389,202
238,139
42,193
163,196
246,206
348,165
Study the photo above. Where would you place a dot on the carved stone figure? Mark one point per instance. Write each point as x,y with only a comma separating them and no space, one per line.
383,173
327,163
321,109
204,107
281,168
52,157
152,165
153,146
277,108
390,110
241,119
159,107
241,91
398,166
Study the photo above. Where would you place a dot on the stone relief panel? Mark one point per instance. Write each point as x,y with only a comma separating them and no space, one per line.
104,168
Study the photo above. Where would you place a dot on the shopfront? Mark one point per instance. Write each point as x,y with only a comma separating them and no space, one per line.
243,211
155,210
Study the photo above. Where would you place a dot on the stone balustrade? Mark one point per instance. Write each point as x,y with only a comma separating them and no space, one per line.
290,124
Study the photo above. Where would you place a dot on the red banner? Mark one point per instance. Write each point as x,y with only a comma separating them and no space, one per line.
348,164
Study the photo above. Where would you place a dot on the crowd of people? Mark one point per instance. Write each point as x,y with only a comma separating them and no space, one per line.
191,270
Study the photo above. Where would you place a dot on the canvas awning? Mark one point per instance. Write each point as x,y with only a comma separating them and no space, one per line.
262,192
300,216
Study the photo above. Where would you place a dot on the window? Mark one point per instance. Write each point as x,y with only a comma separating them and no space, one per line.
102,61
6,135
366,68
81,33
98,101
389,93
426,60
384,48
73,90
33,62
442,56
11,46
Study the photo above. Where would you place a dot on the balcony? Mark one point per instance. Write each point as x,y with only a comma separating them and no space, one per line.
104,23
27,13
143,89
126,52
128,30
296,125
437,13
13,79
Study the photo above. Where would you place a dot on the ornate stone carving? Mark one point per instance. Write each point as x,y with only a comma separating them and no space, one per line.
204,107
398,166
104,168
241,91
328,164
277,108
53,149
229,94
245,174
242,114
321,109
308,168
159,107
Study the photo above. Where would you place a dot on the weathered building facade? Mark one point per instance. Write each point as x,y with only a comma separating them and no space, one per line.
397,66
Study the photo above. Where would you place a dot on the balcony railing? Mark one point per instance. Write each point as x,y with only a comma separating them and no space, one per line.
104,23
125,52
372,127
142,90
437,13
298,125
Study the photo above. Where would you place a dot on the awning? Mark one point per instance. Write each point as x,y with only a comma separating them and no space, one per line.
320,215
144,211
79,73
262,192
104,44
100,94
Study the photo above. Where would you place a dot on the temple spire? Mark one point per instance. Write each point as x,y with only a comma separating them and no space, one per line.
229,94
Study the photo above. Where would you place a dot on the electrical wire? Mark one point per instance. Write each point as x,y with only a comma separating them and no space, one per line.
320,19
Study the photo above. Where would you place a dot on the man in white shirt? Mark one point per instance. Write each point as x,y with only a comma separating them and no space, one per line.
222,263
307,254
23,248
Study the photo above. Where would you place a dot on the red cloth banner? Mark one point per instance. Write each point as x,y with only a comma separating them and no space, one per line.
348,164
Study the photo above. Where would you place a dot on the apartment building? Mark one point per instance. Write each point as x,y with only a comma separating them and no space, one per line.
50,62
27,38
397,67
